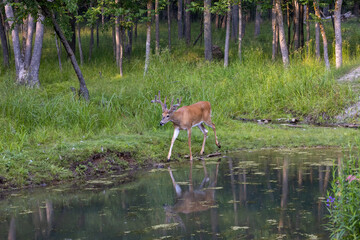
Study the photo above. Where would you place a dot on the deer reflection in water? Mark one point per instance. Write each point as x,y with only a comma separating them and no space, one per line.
192,200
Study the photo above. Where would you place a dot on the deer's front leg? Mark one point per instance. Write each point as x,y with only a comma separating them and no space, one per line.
176,134
189,141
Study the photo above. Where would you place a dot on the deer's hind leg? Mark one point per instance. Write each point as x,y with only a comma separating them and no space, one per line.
204,131
212,125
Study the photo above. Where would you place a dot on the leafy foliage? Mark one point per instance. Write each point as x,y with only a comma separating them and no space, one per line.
343,200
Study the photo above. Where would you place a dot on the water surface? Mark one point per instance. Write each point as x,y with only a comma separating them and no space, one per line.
267,194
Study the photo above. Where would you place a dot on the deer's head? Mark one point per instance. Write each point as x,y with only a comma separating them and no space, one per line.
166,113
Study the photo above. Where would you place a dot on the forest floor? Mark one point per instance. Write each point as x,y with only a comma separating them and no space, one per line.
351,113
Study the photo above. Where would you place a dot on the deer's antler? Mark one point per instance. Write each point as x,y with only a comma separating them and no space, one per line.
174,107
158,100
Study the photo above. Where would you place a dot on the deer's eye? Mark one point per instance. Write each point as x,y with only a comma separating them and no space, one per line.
168,115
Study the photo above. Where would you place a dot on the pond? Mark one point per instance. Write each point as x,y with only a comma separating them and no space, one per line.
265,194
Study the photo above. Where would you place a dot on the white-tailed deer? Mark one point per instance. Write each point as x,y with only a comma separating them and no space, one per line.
185,118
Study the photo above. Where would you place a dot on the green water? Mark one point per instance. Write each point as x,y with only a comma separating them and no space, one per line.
268,194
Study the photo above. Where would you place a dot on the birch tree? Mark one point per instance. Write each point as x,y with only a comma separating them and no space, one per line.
240,33
207,30
338,37
26,65
322,31
179,19
227,38
283,46
148,37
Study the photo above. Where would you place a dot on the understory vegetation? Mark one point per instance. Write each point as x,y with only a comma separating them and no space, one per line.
45,131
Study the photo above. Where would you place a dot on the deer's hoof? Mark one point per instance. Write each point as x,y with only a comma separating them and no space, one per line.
219,146
168,160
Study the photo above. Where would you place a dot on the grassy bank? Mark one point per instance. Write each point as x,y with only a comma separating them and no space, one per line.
46,133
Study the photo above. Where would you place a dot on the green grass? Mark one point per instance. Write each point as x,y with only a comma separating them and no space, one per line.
43,131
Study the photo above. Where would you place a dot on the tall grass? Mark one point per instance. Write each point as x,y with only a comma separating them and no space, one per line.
255,88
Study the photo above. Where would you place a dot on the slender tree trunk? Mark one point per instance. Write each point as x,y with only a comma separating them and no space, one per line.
322,31
187,23
288,24
83,89
4,44
118,43
91,45
73,36
338,37
308,29
301,25
169,24
19,63
28,44
283,46
179,19
114,43
296,24
240,33
217,22
317,40
148,37
273,26
257,20
58,52
79,43
207,30
157,30
227,38
235,21
36,55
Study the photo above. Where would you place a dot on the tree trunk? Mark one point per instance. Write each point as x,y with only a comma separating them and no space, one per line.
19,63
317,40
73,36
207,30
179,19
296,25
217,25
157,30
301,25
288,24
28,44
273,27
83,89
36,55
79,43
187,23
338,38
235,21
114,43
4,44
148,37
240,33
257,20
227,38
91,45
308,29
169,24
322,30
283,46
118,43
58,50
